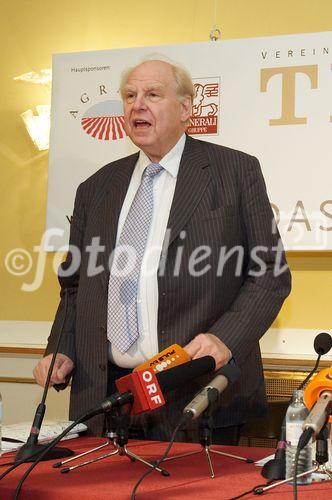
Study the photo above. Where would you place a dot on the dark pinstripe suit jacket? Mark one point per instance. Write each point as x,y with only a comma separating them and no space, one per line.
220,202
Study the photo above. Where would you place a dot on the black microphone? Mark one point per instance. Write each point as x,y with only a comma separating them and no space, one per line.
180,375
133,392
323,343
32,449
226,375
276,468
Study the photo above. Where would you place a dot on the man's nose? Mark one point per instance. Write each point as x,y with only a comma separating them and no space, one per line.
139,102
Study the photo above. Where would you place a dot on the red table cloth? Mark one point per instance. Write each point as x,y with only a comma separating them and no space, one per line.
114,477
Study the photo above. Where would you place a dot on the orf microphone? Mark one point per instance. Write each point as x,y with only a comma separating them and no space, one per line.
145,389
180,375
226,375
148,387
137,392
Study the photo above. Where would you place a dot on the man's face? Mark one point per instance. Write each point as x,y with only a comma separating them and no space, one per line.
154,116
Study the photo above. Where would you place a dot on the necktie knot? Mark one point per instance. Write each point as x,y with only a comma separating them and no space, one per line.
153,169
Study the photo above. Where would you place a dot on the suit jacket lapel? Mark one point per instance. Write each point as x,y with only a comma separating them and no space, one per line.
193,178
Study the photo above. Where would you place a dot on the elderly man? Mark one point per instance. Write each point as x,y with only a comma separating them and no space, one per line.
206,272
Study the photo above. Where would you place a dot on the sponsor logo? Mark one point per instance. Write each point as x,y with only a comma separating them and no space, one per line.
104,121
205,116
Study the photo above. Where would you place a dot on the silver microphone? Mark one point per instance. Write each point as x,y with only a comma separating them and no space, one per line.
226,375
319,413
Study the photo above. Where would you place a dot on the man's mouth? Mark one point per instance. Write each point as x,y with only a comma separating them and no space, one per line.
141,124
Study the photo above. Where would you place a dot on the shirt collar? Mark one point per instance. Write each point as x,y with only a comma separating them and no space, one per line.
170,162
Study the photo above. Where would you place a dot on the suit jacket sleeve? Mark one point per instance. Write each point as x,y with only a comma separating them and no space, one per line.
267,278
65,317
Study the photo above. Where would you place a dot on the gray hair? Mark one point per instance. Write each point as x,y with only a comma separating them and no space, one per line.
184,85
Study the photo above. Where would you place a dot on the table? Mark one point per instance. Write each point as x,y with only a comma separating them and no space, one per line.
115,477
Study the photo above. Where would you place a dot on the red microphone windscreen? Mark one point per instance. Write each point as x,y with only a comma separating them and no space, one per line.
144,387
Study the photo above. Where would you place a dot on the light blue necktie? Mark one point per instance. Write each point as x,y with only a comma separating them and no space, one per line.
122,320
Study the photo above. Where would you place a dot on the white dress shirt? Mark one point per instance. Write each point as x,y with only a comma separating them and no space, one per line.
147,300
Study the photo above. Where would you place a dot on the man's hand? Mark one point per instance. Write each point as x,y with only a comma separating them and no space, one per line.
207,344
62,367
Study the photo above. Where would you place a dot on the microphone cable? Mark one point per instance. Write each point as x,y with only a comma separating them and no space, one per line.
256,490
303,441
161,459
296,462
310,374
45,451
232,373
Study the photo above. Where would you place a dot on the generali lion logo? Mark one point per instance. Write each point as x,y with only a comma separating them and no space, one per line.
205,116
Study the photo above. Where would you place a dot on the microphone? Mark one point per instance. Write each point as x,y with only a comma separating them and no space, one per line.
30,451
276,468
167,380
226,375
144,389
321,383
139,390
318,397
323,343
319,414
170,357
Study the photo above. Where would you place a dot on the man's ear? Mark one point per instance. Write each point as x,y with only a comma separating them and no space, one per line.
186,108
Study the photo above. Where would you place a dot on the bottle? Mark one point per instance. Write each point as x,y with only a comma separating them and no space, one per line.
296,414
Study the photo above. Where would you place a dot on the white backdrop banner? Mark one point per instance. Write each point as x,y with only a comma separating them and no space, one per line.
270,97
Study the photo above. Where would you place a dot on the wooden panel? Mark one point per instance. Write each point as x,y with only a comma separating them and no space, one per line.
21,350
293,363
17,380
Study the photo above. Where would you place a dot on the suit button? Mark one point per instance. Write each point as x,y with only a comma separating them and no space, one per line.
164,294
102,367
103,328
163,331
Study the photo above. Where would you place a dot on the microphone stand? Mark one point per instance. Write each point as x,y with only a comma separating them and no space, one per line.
322,453
107,406
118,422
31,450
206,428
322,458
111,436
